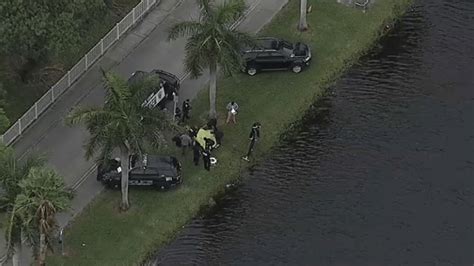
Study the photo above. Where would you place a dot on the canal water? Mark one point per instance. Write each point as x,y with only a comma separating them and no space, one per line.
381,172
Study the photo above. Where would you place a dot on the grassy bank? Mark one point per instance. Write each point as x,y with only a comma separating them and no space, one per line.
22,94
338,36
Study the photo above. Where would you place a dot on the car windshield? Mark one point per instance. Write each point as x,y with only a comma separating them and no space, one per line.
109,166
275,44
286,45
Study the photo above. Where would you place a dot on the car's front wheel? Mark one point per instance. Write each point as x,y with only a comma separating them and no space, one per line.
164,186
297,68
251,70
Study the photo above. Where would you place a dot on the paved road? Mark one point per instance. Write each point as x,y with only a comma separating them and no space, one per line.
144,48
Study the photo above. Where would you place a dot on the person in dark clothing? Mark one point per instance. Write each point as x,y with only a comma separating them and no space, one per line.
209,144
206,157
177,114
133,160
254,136
186,108
192,132
196,153
186,142
106,166
212,124
219,135
177,140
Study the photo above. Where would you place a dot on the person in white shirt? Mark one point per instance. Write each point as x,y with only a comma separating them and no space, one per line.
232,108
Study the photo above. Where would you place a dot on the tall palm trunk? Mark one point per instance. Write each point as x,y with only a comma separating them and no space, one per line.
42,247
303,25
124,182
212,90
16,253
14,237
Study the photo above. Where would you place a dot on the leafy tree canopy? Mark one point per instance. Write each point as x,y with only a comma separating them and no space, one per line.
31,28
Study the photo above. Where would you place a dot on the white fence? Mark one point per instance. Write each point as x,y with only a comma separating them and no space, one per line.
77,71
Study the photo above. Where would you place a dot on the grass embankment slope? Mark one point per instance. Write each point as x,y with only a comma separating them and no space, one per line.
338,36
22,94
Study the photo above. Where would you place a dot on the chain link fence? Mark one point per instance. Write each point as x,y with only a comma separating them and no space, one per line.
77,71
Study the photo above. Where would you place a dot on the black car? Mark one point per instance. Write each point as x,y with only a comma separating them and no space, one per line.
275,54
168,84
152,170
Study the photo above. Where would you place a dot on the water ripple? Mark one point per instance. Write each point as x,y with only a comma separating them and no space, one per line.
380,173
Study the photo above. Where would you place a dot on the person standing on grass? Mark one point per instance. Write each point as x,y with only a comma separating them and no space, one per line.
177,114
186,108
186,142
196,153
192,132
209,143
212,124
206,157
232,108
254,136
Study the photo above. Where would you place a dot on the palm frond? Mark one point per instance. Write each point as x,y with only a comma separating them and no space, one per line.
230,61
117,91
196,56
230,58
142,88
43,195
32,161
207,10
230,11
242,39
183,29
105,153
93,144
82,115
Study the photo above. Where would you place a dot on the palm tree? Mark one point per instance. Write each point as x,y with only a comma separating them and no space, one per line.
11,173
213,42
123,123
303,25
43,195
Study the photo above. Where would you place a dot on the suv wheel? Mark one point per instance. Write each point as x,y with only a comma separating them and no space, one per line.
251,70
165,186
297,68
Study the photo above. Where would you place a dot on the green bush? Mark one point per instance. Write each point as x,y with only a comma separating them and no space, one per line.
4,122
32,28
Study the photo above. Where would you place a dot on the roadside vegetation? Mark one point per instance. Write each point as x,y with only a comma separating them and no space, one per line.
122,124
338,36
41,40
213,43
32,196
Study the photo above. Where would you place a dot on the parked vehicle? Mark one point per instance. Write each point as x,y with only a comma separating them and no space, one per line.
275,54
168,85
152,170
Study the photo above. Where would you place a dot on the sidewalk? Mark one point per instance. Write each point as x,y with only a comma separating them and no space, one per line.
144,48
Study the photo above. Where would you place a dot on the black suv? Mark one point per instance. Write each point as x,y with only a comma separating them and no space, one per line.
169,83
275,54
152,170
